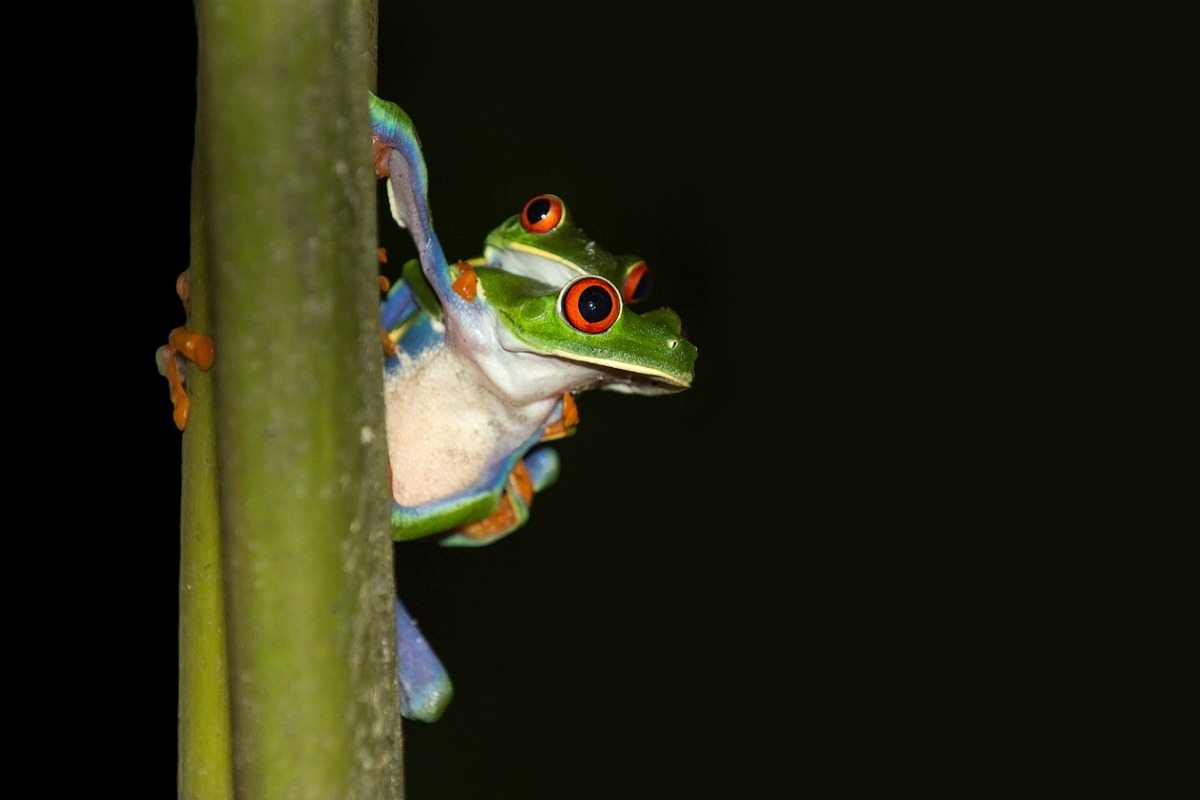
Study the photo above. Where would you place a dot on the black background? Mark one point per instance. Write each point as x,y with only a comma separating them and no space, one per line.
884,541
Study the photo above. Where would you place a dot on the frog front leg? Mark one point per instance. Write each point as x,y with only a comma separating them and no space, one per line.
566,422
183,345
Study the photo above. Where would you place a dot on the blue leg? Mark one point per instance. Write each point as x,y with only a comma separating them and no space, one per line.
398,306
425,688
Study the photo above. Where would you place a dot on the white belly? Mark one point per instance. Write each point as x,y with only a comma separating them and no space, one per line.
447,426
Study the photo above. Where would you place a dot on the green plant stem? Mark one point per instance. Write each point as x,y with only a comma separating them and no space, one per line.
205,771
289,232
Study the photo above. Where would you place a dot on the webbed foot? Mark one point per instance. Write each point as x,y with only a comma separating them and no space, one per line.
183,344
566,423
467,283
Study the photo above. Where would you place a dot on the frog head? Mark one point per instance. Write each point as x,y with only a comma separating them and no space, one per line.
543,242
558,294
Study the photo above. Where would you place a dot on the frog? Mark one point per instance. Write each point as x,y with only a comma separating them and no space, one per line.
487,354
482,360
544,242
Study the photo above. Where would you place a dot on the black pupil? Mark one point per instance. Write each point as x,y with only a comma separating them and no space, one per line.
595,304
537,210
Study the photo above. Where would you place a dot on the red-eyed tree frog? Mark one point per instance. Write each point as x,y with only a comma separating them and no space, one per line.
485,364
483,357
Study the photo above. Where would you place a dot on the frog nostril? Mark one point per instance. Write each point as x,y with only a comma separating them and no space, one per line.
672,344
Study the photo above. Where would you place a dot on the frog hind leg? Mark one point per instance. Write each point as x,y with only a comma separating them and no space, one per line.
398,158
535,472
512,511
425,688
183,345
399,305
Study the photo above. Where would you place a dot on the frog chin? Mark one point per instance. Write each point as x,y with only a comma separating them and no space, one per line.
525,373
525,376
636,383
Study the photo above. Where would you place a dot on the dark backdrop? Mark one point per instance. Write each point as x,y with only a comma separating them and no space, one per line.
872,546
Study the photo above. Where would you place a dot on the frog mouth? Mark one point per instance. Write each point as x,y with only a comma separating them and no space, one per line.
633,383
629,378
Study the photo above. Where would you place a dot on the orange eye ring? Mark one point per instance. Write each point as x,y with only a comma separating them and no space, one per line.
590,304
542,214
637,283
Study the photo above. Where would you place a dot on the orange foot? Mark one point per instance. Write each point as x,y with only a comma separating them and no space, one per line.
566,424
381,152
467,282
505,517
183,344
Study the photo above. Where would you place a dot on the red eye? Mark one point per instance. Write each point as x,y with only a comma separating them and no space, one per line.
542,214
590,304
637,283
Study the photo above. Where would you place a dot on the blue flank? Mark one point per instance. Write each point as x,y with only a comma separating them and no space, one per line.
423,334
399,306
